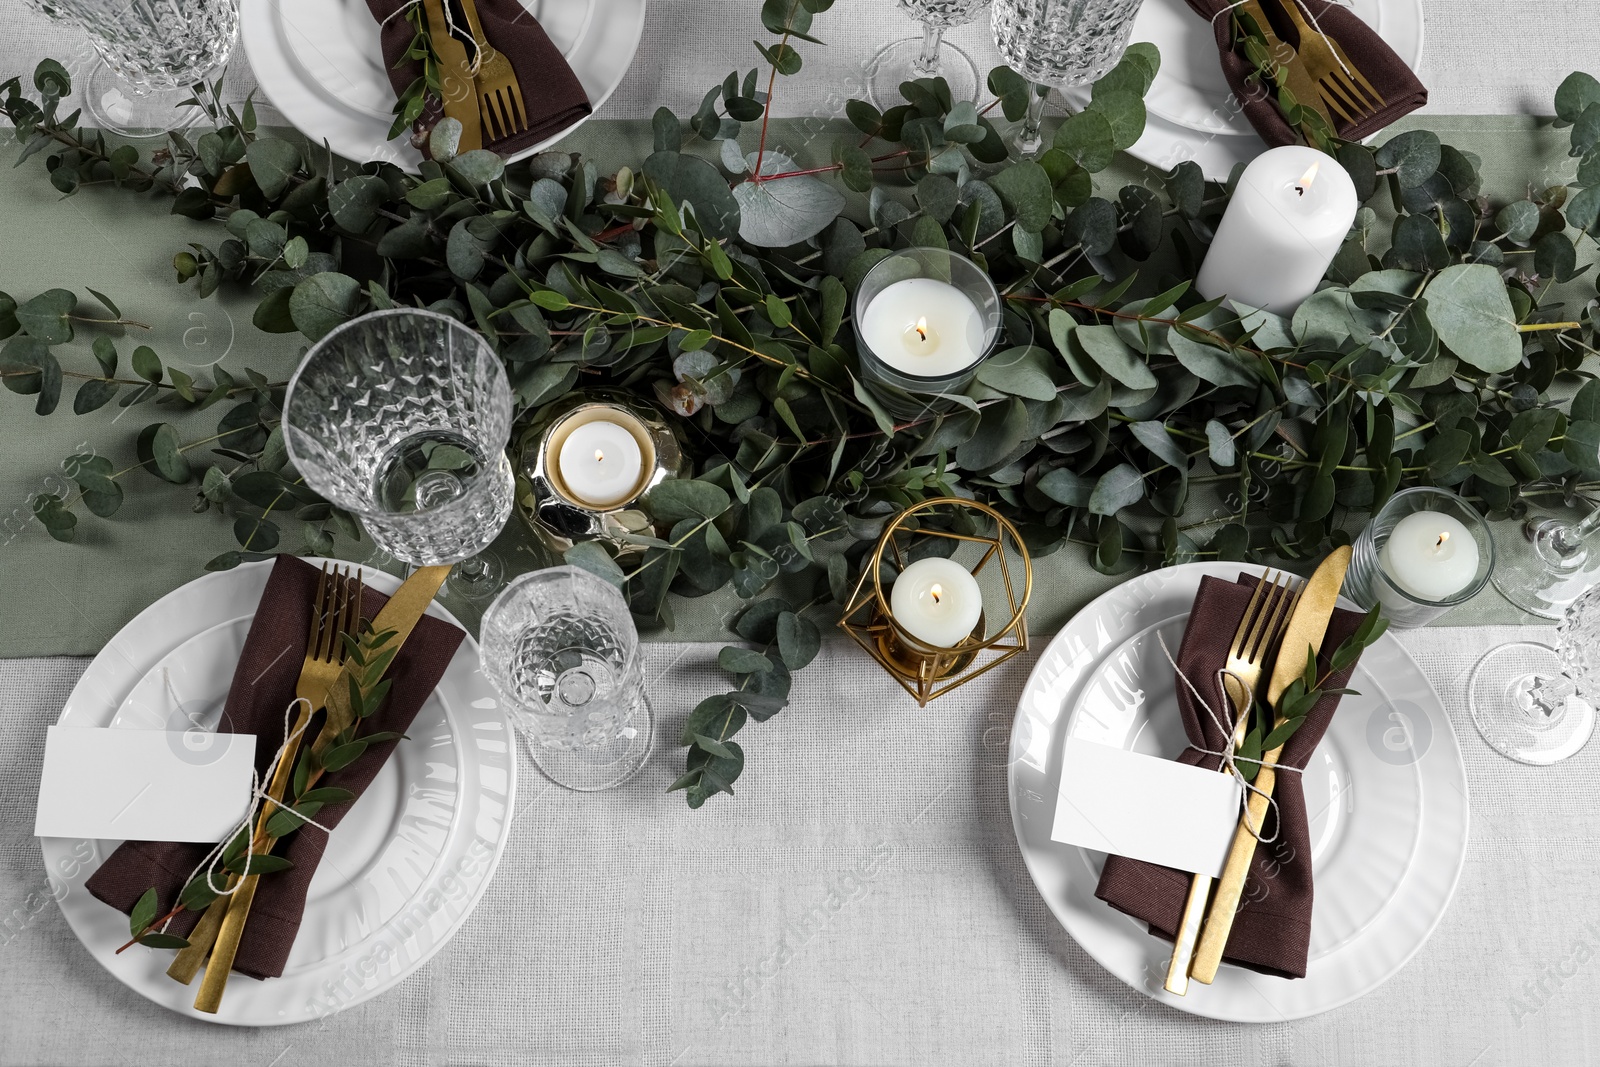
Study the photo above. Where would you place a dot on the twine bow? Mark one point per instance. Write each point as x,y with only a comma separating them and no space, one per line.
1230,758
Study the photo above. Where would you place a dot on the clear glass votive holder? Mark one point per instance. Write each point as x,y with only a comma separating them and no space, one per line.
1371,578
925,318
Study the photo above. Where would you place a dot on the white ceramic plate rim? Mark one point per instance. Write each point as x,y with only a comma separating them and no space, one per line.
1121,945
357,973
358,137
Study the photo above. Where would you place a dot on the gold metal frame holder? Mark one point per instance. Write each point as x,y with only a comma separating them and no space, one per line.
924,671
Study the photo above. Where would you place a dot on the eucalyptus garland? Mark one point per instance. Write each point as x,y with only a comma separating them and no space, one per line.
716,281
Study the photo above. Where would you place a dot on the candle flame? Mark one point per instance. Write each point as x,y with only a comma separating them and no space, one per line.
1443,537
1307,178
922,328
936,592
599,456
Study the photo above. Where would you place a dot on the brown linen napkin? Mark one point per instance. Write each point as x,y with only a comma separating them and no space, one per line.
551,92
1273,929
1366,51
263,684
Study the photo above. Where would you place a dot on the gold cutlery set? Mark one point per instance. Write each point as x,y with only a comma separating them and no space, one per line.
479,89
335,613
1317,73
1292,622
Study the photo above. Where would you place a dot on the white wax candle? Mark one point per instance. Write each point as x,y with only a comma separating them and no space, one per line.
1288,216
1430,555
600,463
924,328
937,601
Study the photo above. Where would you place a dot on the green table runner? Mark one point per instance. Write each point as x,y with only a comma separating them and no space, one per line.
58,599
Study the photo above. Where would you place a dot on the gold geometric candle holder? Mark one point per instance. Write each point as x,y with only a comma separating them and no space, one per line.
929,671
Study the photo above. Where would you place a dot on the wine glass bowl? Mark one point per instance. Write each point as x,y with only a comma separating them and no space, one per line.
1056,43
151,52
401,417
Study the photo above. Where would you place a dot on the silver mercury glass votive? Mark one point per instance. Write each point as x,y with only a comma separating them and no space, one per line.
558,517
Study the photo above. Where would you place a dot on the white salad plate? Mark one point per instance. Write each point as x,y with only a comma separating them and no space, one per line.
404,868
320,64
1191,114
1386,795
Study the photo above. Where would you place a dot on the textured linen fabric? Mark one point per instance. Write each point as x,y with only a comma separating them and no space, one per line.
862,902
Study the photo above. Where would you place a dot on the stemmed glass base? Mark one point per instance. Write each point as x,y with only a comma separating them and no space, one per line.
1543,565
591,769
478,578
116,105
908,59
1525,705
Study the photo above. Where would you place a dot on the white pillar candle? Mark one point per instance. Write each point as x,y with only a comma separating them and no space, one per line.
1288,216
1430,555
600,464
925,328
937,601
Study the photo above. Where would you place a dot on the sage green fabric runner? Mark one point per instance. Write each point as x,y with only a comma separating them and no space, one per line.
71,598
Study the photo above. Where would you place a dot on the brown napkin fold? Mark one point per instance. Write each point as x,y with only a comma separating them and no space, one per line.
1366,51
263,685
1272,931
551,92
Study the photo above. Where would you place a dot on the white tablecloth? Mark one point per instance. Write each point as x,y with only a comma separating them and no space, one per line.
862,902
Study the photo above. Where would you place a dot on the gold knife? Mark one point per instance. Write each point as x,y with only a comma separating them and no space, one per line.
401,614
1288,72
1307,627
458,87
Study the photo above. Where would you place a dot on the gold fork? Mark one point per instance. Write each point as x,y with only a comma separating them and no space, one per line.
499,95
1263,624
336,611
1288,72
1344,89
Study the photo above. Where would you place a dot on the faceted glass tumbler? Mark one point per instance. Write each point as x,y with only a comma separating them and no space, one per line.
402,417
560,647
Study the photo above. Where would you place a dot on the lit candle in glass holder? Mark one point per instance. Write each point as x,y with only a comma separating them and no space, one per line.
925,318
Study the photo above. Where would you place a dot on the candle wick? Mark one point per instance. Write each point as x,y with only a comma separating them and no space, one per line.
599,456
1443,537
922,328
934,592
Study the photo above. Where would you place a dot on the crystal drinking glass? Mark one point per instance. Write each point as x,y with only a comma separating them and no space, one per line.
401,417
1547,562
1534,703
560,647
150,53
927,56
1059,42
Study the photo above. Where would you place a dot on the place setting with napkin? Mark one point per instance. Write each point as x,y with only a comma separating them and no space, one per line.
1352,62
1232,866
373,78
170,751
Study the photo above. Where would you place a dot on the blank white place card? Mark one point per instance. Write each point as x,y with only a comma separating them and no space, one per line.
143,785
1145,807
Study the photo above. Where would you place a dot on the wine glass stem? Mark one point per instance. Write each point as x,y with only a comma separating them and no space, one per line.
1567,538
927,62
1031,137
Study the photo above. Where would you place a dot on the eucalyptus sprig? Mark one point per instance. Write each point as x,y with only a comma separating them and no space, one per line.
339,743
1268,733
1121,414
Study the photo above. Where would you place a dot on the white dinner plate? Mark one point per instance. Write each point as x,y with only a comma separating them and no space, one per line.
319,62
404,868
1386,794
1190,110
